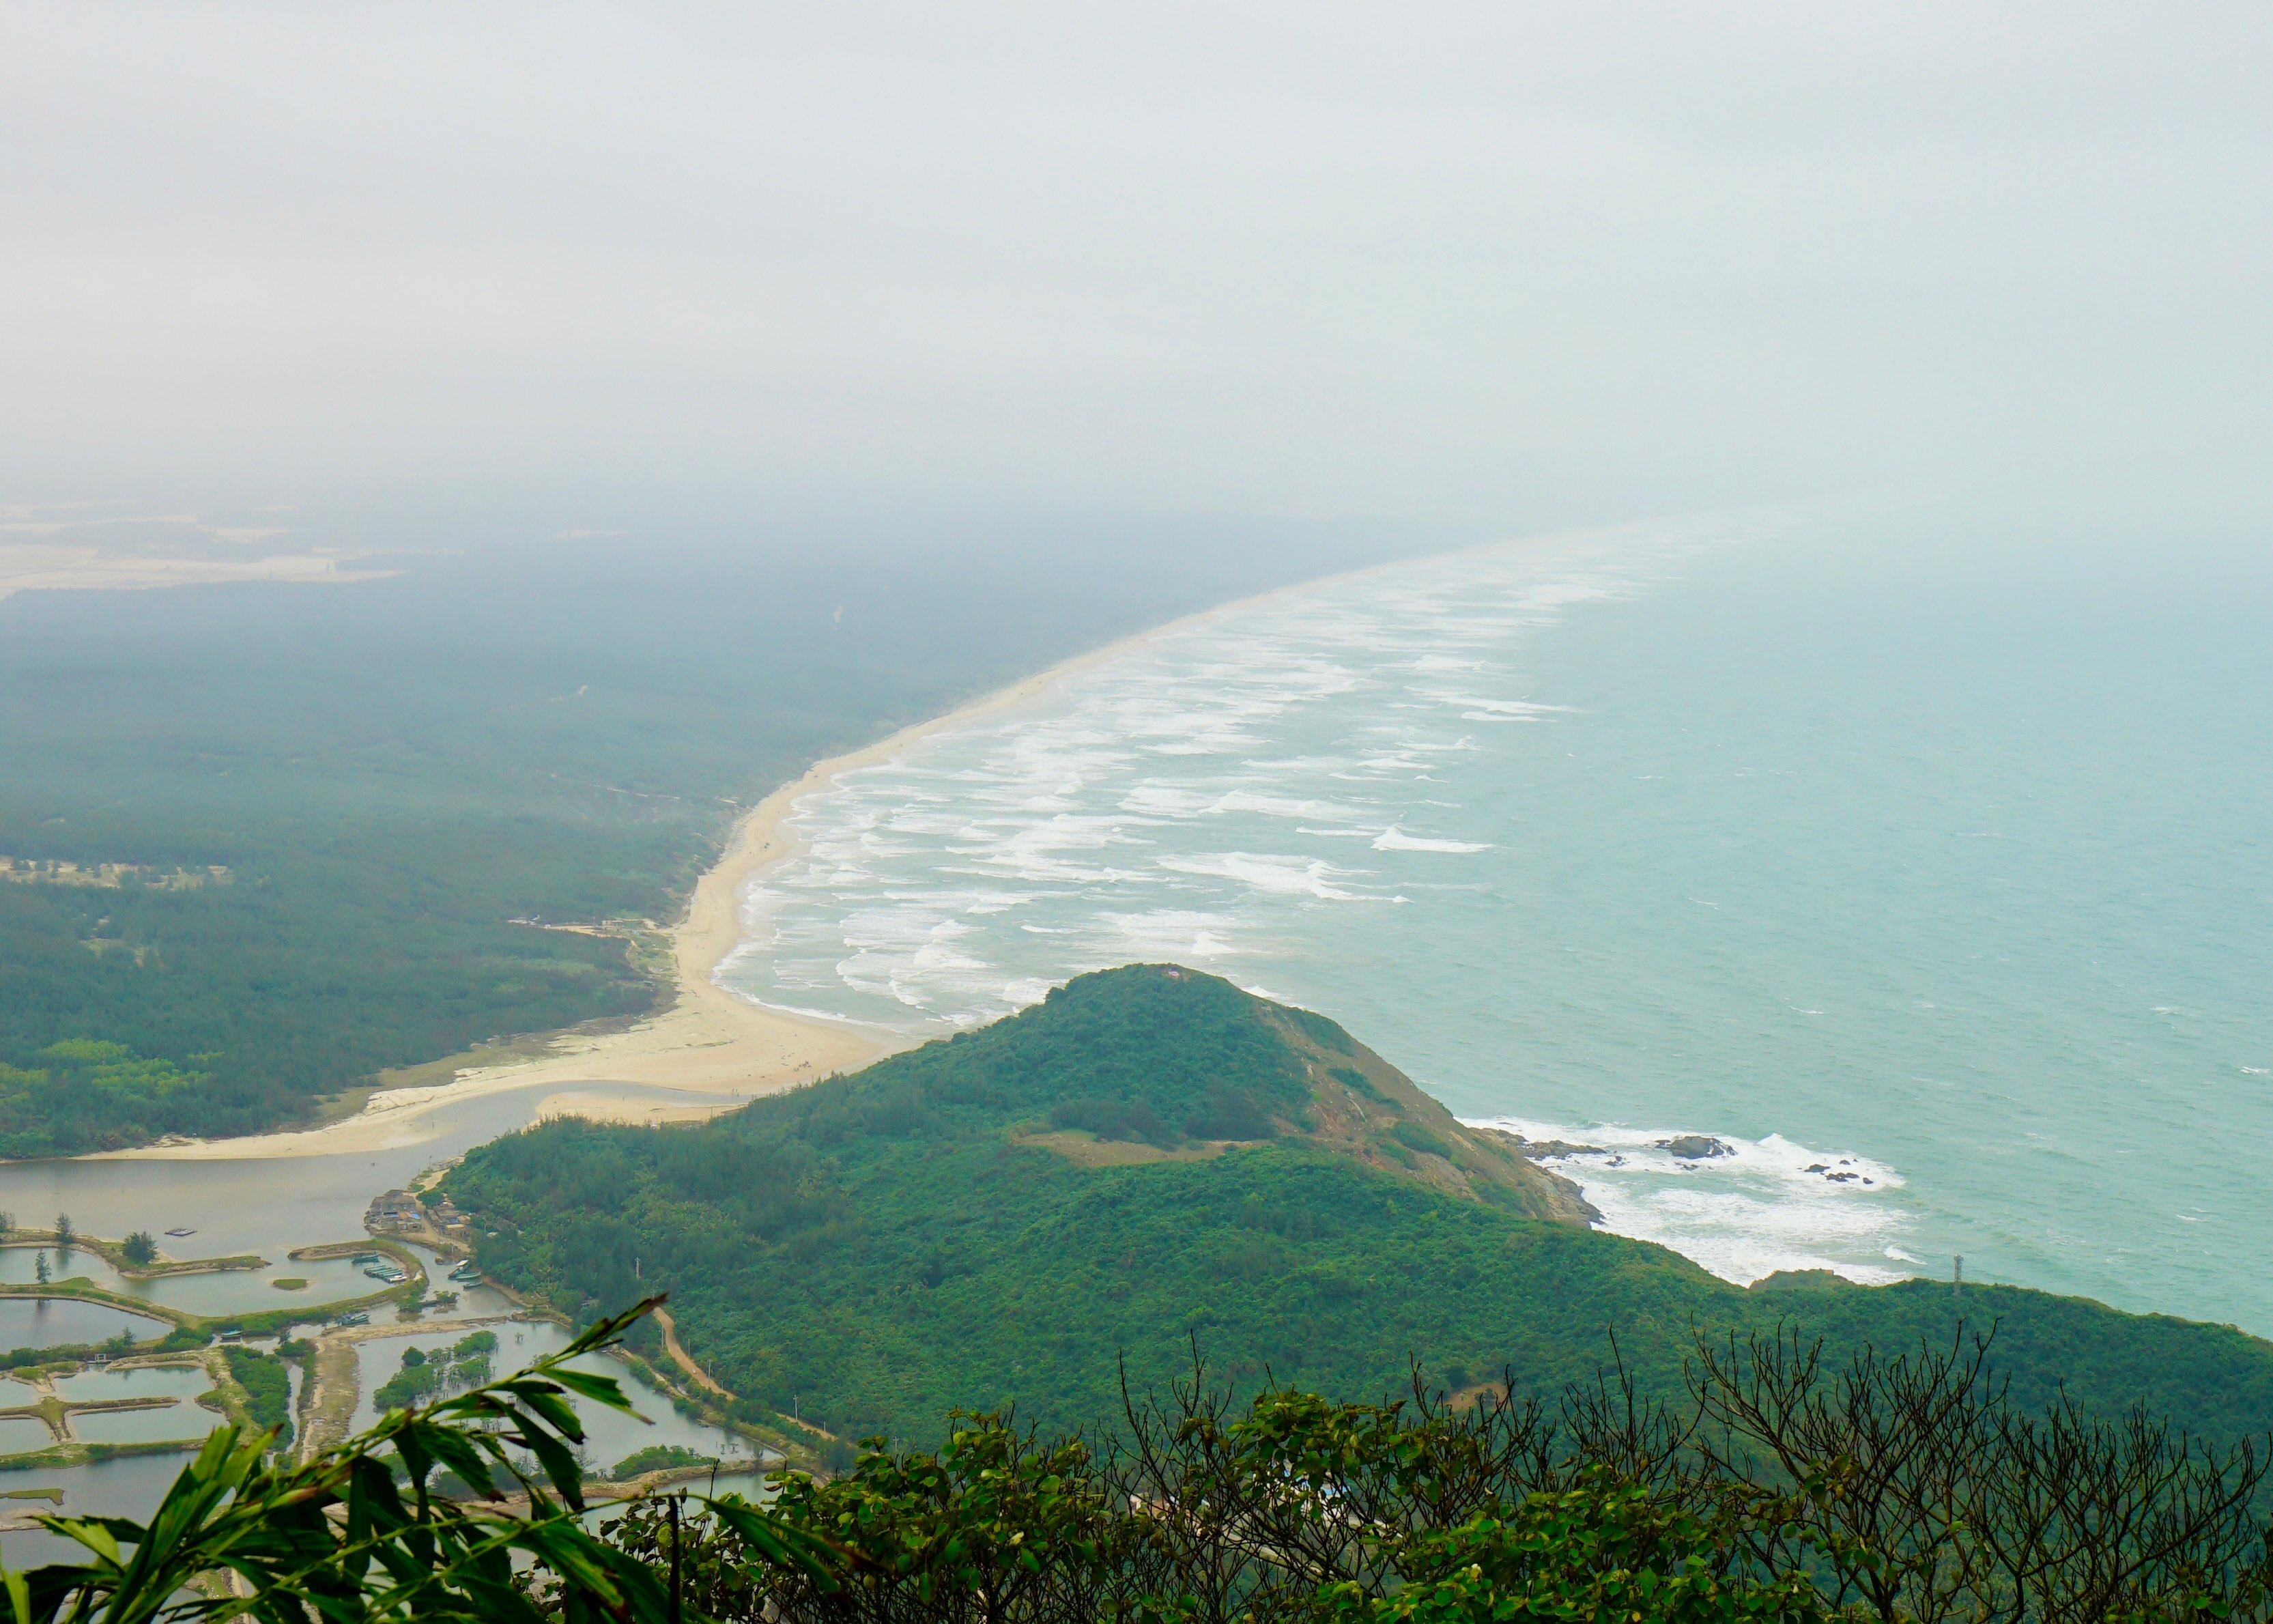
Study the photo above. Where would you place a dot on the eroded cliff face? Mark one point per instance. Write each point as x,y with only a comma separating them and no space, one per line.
1365,1109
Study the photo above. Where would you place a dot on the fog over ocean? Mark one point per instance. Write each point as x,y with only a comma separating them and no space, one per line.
1933,881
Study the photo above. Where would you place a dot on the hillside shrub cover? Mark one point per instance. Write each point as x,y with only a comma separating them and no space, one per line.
875,1251
1778,1490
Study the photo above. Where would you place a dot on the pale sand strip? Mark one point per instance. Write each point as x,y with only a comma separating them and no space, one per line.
710,1040
42,567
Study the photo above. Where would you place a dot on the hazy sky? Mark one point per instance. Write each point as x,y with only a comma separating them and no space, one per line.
1502,263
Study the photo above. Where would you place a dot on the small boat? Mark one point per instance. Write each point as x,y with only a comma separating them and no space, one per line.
466,1270
358,1318
364,1257
392,1276
178,1234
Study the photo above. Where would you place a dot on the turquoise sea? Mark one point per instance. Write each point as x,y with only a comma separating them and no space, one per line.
1931,873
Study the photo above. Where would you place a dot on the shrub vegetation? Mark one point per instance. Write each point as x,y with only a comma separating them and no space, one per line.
876,1251
1777,1489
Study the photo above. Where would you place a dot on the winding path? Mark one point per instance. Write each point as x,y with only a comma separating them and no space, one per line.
684,1359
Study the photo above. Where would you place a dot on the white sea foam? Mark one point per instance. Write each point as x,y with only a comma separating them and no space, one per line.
1763,1207
1238,801
1170,803
1167,800
1164,933
1276,875
1395,839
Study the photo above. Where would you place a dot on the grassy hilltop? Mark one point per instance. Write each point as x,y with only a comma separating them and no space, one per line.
1152,1158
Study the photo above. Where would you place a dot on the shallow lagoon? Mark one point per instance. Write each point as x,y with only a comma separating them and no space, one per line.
272,1204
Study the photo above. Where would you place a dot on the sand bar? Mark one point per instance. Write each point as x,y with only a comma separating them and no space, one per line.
50,566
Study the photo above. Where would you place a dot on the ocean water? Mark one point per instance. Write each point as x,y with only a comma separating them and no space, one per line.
1931,875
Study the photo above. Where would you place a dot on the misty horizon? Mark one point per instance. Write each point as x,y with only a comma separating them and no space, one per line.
1474,272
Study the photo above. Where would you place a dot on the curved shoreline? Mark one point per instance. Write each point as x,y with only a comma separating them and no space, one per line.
711,1043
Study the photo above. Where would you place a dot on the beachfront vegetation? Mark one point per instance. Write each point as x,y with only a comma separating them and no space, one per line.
876,1251
1773,1489
401,782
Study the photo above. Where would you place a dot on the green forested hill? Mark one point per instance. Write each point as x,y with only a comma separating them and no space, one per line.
392,773
1005,1216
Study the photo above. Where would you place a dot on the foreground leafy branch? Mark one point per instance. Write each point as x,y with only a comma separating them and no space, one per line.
1904,1489
469,1508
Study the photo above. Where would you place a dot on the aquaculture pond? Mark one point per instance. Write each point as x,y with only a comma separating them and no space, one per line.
105,1382
181,1421
63,1322
224,1291
180,1417
612,1434
21,1435
121,1488
265,1207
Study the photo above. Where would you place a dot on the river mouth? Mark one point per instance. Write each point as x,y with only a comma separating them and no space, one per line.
268,1207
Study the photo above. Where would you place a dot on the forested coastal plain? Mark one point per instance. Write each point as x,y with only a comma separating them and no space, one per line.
265,844
1152,1164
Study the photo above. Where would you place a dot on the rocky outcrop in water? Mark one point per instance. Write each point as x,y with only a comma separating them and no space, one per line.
1547,1150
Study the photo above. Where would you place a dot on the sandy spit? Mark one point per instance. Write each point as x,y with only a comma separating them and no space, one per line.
33,568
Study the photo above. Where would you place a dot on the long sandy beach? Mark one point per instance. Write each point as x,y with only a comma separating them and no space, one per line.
710,1044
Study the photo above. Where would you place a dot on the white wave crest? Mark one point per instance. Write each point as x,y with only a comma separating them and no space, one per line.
1307,876
1395,839
1759,1207
1143,807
